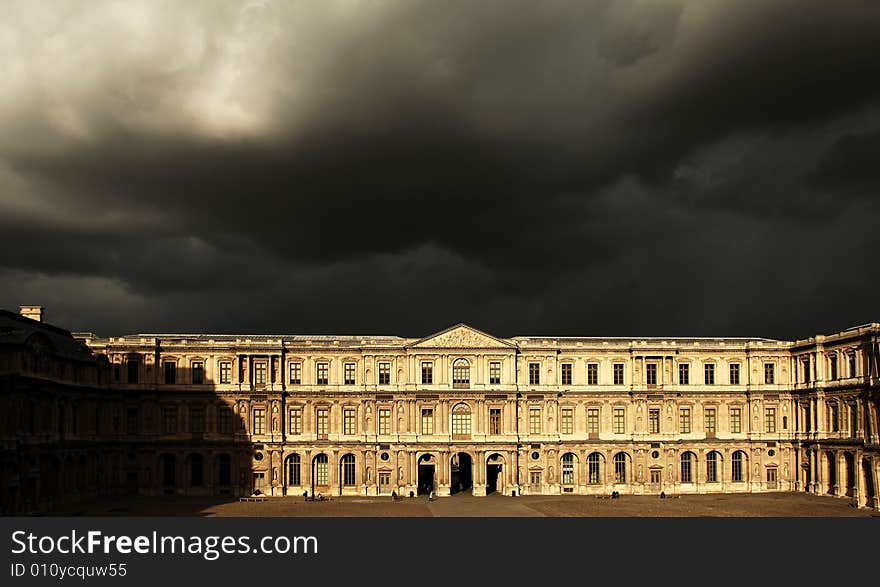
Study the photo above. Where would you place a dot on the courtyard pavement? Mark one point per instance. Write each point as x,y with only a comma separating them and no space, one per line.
466,505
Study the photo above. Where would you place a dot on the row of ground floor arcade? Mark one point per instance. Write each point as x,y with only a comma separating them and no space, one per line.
524,470
843,471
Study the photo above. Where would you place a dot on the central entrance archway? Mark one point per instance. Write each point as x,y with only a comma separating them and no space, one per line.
426,475
461,473
494,476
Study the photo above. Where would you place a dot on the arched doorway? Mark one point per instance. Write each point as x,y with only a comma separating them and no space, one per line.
426,474
461,473
831,470
320,474
494,474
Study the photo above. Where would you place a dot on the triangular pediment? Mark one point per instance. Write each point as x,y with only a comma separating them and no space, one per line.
462,336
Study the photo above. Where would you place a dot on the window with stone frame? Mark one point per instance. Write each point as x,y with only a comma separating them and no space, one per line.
618,373
384,373
296,373
225,372
684,420
348,373
427,372
294,421
566,424
495,373
684,374
427,420
534,373
495,421
592,373
619,420
654,421
566,373
322,371
349,421
736,420
534,420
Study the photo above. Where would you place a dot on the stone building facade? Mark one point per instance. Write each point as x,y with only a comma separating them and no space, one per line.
462,410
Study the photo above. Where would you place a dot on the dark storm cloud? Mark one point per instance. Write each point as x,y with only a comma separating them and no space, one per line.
564,167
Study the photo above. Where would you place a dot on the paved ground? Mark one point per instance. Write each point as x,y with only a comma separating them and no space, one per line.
748,505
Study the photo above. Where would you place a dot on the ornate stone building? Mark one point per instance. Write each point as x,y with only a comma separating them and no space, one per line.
462,410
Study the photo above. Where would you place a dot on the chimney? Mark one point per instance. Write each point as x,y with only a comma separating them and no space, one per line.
32,312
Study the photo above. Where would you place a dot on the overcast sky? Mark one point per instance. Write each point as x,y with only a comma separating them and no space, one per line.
625,167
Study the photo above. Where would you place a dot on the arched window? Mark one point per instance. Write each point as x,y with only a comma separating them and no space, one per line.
348,469
686,467
461,421
737,466
321,470
568,469
620,467
196,469
293,470
461,374
712,467
224,470
593,463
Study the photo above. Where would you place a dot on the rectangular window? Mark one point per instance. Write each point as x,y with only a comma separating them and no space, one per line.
656,475
619,420
534,420
495,421
322,373
197,420
654,421
260,373
495,373
169,416
427,373
833,418
769,419
592,373
806,367
198,372
709,373
832,367
384,373
534,374
348,374
385,421
348,421
684,420
651,373
852,365
618,373
259,421
566,374
225,372
735,420
593,420
170,370
322,423
535,479
567,423
224,420
295,421
709,420
734,374
133,370
296,373
684,374
427,421
769,373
